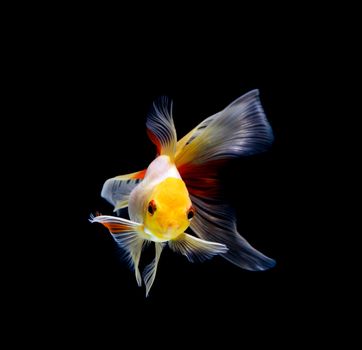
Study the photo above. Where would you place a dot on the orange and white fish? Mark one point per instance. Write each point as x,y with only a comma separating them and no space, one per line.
179,189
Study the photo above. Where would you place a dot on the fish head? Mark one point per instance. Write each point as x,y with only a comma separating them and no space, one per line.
168,211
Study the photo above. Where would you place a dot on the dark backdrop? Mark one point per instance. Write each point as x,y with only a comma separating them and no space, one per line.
92,98
101,115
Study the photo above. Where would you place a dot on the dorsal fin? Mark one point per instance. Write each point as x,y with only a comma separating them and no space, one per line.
161,129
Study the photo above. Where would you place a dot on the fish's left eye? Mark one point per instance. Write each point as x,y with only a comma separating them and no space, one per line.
191,213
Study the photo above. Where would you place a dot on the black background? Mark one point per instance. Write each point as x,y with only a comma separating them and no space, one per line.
113,99
94,88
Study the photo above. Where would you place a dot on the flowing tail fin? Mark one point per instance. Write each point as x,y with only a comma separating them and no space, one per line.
240,129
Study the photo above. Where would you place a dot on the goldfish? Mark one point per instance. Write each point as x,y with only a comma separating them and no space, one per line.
180,189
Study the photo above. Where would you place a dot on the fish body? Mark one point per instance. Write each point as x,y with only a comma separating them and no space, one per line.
163,185
180,189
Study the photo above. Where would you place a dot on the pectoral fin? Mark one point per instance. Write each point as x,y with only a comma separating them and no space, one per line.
128,235
196,249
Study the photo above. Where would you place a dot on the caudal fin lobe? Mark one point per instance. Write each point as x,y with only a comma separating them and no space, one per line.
241,129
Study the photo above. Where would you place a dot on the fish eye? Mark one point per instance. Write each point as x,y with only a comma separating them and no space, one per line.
151,207
191,213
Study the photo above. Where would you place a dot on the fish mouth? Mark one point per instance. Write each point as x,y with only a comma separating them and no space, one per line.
170,233
161,236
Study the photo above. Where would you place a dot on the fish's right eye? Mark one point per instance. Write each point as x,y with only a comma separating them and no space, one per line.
151,207
191,213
